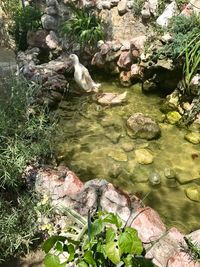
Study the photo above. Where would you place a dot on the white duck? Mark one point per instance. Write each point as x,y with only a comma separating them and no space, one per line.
82,76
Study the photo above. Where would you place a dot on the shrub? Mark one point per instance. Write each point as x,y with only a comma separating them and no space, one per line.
101,242
25,136
24,20
84,27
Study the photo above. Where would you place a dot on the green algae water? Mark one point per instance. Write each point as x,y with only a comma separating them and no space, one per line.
94,142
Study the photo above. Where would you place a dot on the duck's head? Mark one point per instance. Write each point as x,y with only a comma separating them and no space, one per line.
74,59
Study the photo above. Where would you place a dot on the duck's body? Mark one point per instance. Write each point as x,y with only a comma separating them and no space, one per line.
82,76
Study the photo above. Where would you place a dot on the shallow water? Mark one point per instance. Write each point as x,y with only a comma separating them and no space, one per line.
92,142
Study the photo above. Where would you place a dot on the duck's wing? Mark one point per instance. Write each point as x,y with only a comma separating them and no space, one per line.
87,79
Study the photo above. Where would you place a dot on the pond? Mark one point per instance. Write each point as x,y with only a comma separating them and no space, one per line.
94,142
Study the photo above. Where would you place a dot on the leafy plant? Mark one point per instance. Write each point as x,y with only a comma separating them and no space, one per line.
193,249
101,241
10,6
24,20
137,7
84,27
25,136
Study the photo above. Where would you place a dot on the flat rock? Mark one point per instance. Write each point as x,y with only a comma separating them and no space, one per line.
193,137
143,156
193,192
118,155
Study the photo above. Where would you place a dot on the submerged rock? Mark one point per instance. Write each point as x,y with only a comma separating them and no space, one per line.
110,98
193,137
193,192
173,117
143,126
154,178
127,147
143,156
118,155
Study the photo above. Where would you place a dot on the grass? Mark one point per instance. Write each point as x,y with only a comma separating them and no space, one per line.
25,137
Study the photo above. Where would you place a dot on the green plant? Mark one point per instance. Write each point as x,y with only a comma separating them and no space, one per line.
101,241
193,249
10,6
137,7
24,20
84,27
25,137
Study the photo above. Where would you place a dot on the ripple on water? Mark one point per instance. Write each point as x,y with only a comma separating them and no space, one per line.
94,143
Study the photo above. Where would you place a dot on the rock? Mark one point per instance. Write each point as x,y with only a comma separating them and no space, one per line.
166,247
142,126
98,60
125,45
51,3
185,176
191,8
114,2
136,72
116,46
154,178
145,14
138,43
112,55
165,64
194,84
125,78
113,136
172,100
110,98
193,137
124,60
149,225
195,126
143,156
37,38
169,12
149,86
51,10
106,4
195,236
58,184
193,192
135,55
105,48
153,6
118,155
56,96
169,173
182,259
173,117
166,38
127,147
52,40
49,22
122,7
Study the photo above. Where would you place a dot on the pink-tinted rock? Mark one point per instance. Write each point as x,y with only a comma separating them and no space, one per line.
166,247
181,259
136,71
138,43
52,40
113,200
57,184
148,224
98,60
105,48
124,60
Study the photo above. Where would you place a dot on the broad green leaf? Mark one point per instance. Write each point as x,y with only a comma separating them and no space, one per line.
112,252
71,251
113,219
110,234
129,242
96,227
88,257
59,246
82,264
128,261
53,261
50,242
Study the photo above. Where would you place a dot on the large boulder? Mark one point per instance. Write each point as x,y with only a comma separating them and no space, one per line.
49,22
142,126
